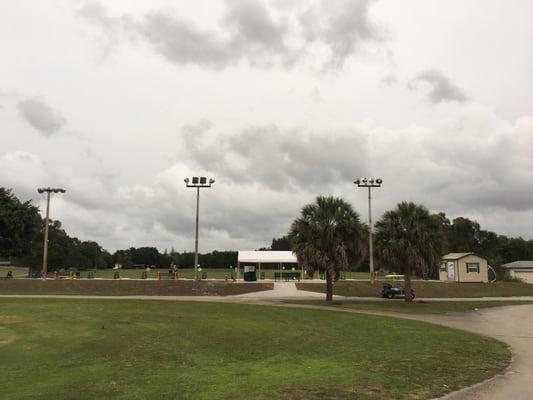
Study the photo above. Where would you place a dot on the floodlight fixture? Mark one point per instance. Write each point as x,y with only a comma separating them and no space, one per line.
368,182
199,181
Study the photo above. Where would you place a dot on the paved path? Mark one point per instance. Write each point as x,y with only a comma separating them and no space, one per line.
281,291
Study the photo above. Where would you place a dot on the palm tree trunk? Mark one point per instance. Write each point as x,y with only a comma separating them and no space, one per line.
329,287
407,285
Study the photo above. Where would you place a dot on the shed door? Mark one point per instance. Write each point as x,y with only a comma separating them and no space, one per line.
451,271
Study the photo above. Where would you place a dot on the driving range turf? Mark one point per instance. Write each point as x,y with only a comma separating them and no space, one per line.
131,349
186,273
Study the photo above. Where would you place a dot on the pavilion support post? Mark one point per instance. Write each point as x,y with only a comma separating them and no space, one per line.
259,271
238,272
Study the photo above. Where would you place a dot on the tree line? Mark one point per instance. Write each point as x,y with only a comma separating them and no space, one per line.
22,230
460,235
22,235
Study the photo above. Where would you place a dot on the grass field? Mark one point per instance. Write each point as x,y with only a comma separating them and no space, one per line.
416,307
129,288
428,289
17,271
188,273
109,349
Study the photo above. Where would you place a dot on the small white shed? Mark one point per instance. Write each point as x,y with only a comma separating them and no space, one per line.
463,267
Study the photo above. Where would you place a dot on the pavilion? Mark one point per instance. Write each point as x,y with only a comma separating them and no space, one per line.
271,258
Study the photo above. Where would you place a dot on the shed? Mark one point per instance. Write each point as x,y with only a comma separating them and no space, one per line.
463,267
274,259
520,270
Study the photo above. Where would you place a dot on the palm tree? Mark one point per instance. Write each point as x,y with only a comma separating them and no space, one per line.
409,240
328,237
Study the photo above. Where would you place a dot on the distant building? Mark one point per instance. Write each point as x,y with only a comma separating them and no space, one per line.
463,267
521,270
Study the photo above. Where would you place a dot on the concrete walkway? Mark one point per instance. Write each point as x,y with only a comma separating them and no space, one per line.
281,291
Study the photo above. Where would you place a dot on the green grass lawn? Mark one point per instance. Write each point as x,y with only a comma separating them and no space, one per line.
416,307
17,271
428,289
109,349
188,273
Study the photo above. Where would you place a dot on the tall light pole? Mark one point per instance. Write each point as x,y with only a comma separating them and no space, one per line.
198,183
370,183
48,190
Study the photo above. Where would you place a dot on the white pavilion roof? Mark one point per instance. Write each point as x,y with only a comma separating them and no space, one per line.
267,257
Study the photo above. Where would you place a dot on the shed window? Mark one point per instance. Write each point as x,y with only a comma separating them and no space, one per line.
472,267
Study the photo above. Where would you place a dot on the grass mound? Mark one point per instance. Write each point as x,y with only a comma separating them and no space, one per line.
128,288
428,289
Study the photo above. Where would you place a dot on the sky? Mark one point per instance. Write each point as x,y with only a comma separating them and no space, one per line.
279,101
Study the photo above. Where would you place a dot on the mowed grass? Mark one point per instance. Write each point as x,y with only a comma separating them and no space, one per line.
18,272
125,349
416,307
427,289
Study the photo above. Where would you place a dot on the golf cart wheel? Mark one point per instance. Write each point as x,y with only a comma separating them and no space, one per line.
390,295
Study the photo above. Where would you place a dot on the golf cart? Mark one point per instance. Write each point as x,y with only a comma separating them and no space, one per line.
390,290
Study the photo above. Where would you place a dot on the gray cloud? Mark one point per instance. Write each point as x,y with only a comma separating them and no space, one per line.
182,42
97,15
279,158
41,116
254,31
344,25
441,88
248,32
254,27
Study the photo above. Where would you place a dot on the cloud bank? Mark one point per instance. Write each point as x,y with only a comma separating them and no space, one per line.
257,32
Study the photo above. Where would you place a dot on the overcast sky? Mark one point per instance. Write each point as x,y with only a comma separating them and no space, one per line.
279,101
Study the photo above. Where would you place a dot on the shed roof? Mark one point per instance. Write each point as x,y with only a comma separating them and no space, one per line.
456,256
267,257
519,265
